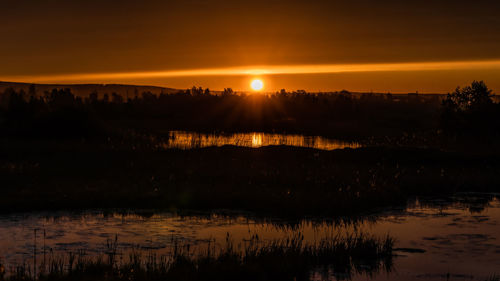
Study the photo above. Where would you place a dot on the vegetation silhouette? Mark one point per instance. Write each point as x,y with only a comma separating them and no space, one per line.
291,258
59,113
64,151
471,110
330,114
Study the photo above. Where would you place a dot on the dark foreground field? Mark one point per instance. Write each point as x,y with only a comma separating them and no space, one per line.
286,259
59,150
278,180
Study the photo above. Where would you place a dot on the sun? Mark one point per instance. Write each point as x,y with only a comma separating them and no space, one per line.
257,85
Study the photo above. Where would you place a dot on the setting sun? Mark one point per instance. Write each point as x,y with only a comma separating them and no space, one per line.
324,139
257,85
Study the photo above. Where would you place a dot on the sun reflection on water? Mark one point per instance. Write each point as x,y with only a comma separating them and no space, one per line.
190,140
256,140
445,234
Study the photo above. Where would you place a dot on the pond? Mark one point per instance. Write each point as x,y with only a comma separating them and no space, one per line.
190,140
456,238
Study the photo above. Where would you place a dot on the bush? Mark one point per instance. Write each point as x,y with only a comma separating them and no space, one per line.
470,110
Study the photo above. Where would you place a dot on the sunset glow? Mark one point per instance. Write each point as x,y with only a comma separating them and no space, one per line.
250,139
314,46
361,70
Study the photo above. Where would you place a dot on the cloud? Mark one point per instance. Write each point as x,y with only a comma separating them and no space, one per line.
260,70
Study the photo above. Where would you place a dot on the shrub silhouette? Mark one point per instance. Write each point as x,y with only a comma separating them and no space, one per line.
475,97
470,110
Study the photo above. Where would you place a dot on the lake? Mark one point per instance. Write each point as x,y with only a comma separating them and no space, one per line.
190,140
456,238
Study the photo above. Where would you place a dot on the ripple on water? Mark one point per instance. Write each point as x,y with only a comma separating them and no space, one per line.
432,240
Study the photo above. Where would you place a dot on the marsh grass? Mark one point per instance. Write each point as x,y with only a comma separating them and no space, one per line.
279,180
291,258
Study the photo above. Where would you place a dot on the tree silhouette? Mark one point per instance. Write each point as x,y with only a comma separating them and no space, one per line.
117,99
469,110
477,96
32,90
93,97
228,92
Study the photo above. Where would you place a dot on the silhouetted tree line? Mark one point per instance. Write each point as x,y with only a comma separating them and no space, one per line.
60,112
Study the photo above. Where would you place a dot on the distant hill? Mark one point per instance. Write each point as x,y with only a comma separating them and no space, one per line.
83,90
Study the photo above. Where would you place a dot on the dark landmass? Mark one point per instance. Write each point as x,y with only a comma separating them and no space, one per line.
61,113
270,180
64,152
84,90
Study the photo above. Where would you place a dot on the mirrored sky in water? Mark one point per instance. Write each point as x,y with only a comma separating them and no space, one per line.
462,239
191,140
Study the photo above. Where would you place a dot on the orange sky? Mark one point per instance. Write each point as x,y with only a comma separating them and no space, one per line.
380,77
364,45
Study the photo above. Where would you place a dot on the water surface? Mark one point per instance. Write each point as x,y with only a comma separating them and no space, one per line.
457,239
190,140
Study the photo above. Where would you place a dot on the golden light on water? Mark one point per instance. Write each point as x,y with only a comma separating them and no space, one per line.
257,140
257,85
190,140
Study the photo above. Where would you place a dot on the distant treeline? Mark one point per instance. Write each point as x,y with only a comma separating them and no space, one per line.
60,112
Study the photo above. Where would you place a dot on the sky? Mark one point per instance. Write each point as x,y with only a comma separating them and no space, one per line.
317,45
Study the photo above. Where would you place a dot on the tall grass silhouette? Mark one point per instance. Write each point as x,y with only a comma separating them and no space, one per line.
290,258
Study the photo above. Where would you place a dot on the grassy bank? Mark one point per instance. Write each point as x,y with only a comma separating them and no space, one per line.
286,259
279,180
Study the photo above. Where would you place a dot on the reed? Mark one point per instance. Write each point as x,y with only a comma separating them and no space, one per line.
285,259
